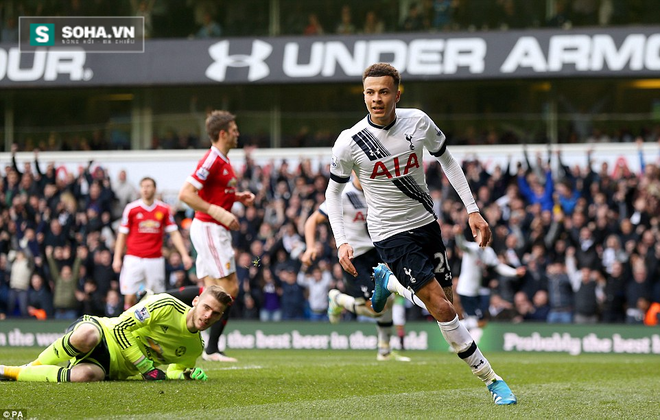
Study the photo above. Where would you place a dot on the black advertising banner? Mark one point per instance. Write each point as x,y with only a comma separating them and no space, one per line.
612,52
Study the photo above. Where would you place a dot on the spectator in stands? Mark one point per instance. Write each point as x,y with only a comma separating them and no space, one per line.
65,284
175,271
588,292
586,249
636,292
124,192
345,25
585,12
19,282
541,305
210,28
615,294
533,189
500,309
101,269
9,32
100,198
313,25
271,308
414,21
373,24
91,301
114,305
560,294
292,298
442,14
560,18
524,308
612,253
653,267
250,309
507,15
317,282
145,8
40,299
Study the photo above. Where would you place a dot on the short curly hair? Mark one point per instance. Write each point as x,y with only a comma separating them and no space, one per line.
382,69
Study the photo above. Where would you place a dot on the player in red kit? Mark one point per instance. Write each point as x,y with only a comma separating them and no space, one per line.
143,225
211,192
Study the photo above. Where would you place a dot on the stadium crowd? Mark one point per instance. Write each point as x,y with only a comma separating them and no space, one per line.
589,238
208,19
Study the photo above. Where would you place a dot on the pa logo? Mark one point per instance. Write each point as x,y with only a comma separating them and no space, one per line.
255,61
42,34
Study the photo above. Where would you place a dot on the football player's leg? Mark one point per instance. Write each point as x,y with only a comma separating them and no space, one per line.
399,319
81,337
212,352
384,328
84,372
462,342
357,290
186,294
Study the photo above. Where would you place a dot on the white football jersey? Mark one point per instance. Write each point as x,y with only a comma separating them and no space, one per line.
475,259
389,163
355,219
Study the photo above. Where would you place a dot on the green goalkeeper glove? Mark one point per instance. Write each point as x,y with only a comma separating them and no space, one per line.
148,371
145,365
195,374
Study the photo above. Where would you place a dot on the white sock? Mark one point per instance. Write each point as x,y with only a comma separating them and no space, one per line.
394,286
461,341
352,305
384,327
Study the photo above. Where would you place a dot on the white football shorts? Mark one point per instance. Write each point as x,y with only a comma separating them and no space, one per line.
142,273
215,253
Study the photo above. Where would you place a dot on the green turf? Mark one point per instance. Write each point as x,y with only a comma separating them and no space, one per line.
351,384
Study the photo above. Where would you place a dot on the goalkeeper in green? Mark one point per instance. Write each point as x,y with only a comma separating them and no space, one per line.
160,330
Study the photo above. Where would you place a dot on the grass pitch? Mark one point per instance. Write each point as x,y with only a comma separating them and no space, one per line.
351,384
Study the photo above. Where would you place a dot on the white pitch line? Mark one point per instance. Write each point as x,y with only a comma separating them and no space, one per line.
240,367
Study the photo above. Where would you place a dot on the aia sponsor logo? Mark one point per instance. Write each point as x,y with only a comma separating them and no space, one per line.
395,169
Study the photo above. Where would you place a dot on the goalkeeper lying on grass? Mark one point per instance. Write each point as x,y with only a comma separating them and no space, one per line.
160,330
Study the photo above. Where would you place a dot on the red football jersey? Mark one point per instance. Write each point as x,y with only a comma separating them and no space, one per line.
145,226
214,178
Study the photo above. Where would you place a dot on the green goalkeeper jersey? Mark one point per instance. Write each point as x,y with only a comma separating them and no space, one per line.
156,328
